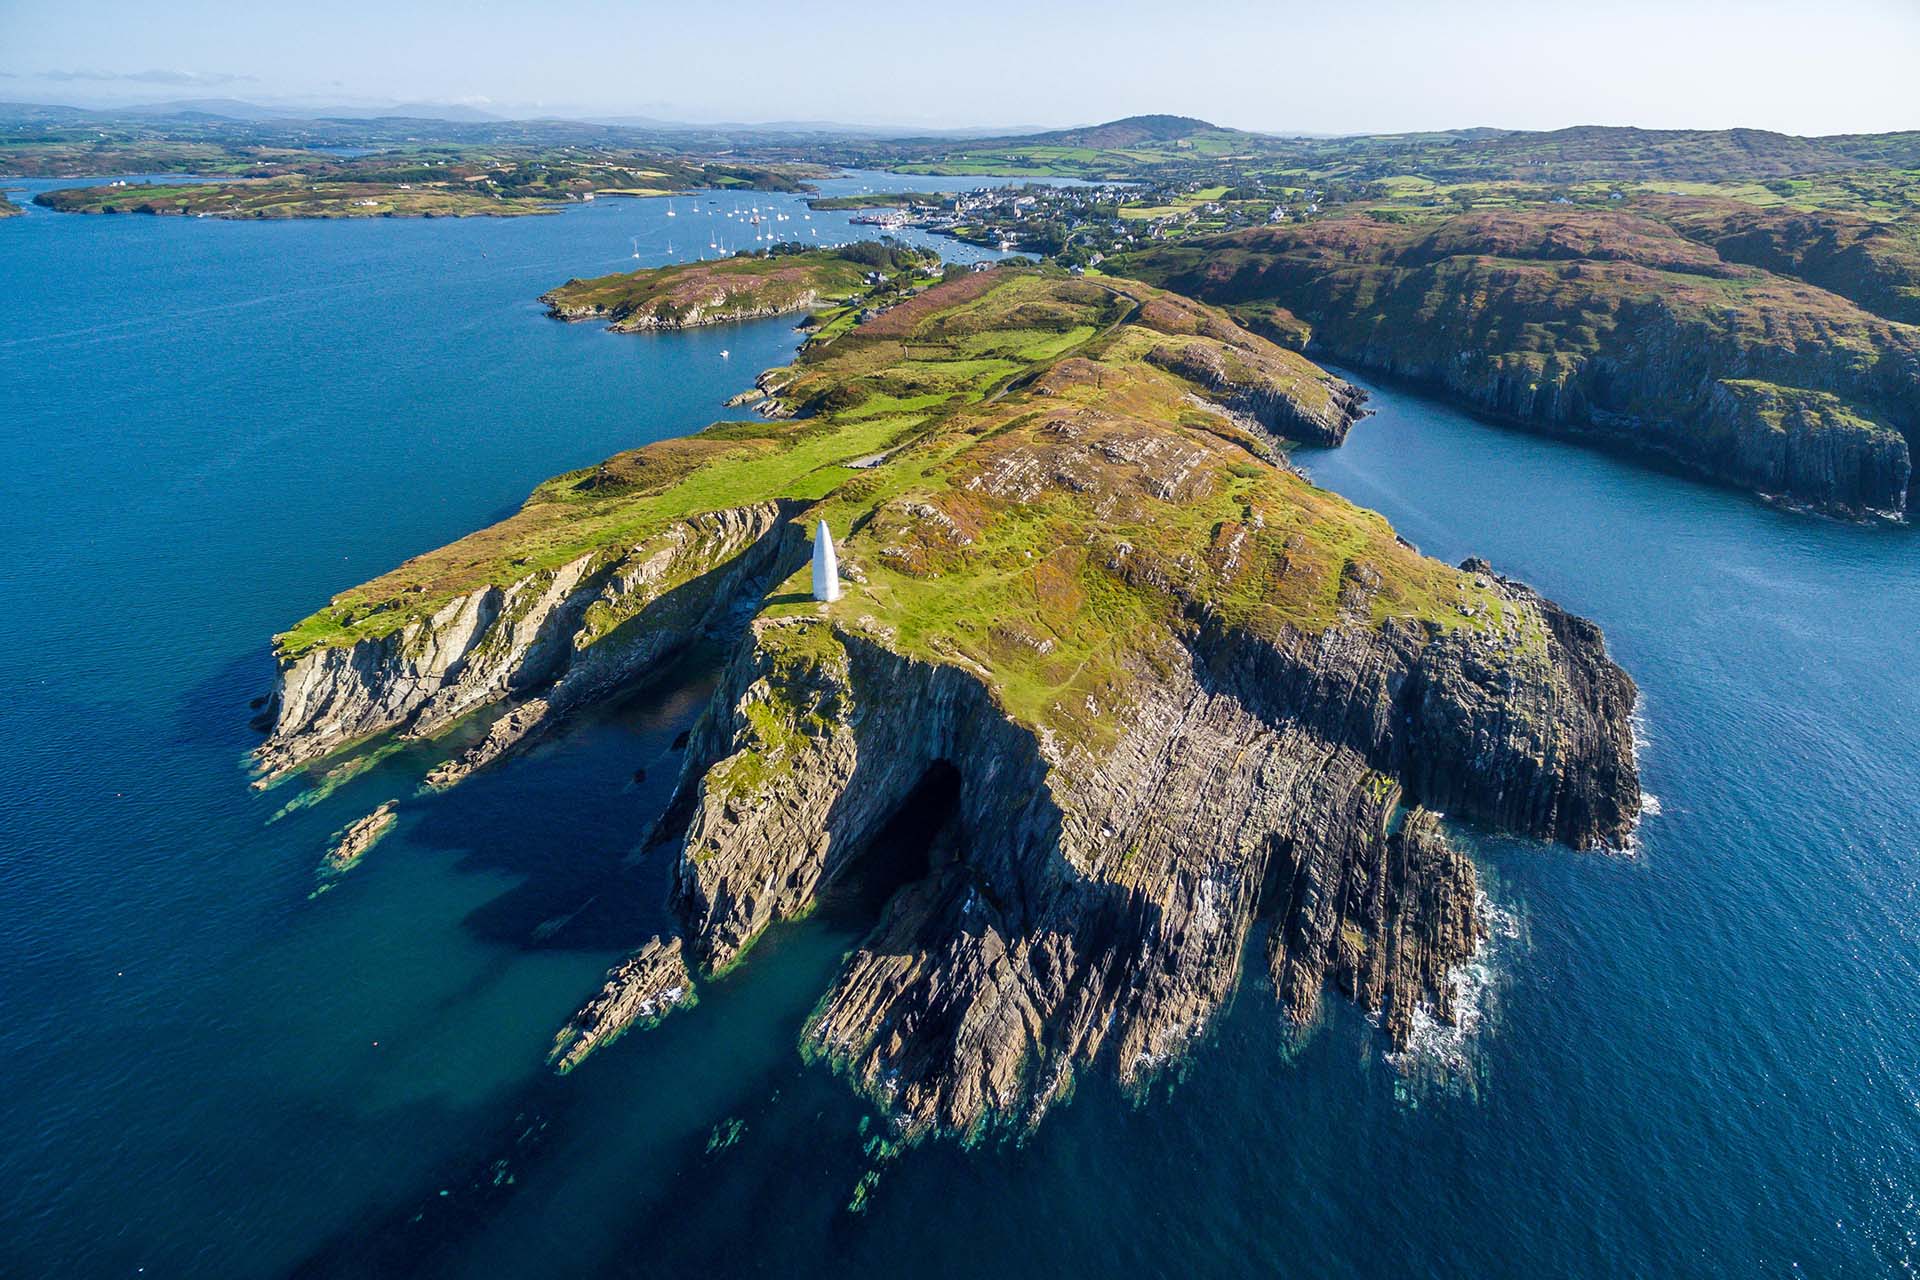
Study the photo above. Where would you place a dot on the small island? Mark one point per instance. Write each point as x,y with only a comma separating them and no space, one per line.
878,200
1152,688
747,286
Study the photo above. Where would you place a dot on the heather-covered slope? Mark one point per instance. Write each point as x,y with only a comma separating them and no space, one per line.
1612,324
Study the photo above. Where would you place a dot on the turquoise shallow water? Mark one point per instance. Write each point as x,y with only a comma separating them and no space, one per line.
1699,1060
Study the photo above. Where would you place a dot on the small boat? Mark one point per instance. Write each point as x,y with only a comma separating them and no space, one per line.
724,354
670,212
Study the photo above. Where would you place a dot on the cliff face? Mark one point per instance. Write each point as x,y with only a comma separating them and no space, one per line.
566,635
1603,324
1097,904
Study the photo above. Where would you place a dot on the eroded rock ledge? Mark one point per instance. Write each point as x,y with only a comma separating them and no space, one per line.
641,990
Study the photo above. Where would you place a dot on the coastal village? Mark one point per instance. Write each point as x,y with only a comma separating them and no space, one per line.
1083,225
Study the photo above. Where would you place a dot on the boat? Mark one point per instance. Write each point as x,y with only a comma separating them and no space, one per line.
670,212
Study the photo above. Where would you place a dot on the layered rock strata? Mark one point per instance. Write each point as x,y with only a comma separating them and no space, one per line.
641,990
558,637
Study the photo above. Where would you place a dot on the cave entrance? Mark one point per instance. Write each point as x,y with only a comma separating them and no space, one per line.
921,834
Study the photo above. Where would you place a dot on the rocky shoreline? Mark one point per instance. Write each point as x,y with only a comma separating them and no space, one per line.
720,312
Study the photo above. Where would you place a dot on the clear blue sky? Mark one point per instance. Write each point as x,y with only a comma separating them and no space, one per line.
1802,67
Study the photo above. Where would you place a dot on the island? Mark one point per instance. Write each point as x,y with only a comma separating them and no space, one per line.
438,183
287,198
8,209
748,285
1146,686
877,200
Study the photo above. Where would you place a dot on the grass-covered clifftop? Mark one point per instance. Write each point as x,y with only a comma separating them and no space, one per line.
1704,332
921,403
746,285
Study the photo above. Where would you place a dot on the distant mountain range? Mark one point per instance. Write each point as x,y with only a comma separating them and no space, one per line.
245,112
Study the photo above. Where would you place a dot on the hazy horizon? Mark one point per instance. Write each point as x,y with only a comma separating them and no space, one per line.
1277,68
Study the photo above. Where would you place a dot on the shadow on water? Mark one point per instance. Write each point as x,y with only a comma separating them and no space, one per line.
217,711
562,818
719,1119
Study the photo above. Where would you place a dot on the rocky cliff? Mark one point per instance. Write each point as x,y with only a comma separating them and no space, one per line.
554,637
1602,324
1095,905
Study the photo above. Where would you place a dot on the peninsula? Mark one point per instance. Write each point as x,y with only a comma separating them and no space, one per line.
1154,688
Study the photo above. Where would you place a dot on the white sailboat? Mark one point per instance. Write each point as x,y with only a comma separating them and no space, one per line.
670,212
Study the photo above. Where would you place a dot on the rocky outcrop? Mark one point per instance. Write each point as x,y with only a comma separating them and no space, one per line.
566,634
719,308
509,732
1095,903
352,844
1270,397
641,990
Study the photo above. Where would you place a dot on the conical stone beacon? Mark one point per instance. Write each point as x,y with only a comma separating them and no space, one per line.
826,569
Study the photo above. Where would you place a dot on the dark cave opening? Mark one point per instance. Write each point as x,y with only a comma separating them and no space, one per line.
921,835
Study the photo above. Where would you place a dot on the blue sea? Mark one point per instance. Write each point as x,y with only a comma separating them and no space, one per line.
1699,1059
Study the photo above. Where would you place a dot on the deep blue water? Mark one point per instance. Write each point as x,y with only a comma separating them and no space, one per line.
1699,1060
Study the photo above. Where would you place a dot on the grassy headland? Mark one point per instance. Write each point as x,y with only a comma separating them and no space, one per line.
1030,485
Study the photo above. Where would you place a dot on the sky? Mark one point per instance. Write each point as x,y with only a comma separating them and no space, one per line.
1277,65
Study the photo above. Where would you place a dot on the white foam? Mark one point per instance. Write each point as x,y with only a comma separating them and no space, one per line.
1440,1053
